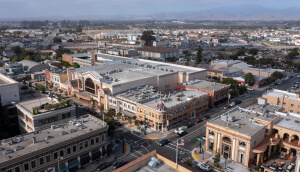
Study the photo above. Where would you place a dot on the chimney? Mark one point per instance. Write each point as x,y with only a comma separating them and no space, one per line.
33,140
94,57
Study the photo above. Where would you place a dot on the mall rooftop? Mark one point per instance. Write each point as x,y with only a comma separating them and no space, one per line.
206,85
149,96
16,147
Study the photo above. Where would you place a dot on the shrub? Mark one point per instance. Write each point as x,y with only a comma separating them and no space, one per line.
24,87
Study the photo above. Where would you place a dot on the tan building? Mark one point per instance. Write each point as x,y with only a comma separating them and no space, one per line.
252,134
290,102
63,147
97,83
160,110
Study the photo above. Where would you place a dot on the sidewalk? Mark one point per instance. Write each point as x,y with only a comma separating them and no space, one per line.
113,157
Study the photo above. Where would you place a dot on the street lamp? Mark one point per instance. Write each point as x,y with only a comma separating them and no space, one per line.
59,157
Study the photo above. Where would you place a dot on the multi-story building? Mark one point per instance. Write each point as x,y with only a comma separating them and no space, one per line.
157,109
157,52
290,102
99,82
218,93
83,59
63,147
9,90
13,69
253,134
31,119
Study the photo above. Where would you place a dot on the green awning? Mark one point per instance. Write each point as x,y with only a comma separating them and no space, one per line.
62,169
73,164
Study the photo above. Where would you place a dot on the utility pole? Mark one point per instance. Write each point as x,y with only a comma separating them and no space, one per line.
177,154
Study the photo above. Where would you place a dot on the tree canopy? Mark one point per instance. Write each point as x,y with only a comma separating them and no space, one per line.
56,40
199,55
249,79
253,51
147,37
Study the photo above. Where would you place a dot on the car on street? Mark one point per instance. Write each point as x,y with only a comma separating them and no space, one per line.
227,106
179,131
104,165
237,102
80,106
117,123
204,137
93,112
204,167
198,120
250,88
298,76
206,117
189,125
163,142
119,164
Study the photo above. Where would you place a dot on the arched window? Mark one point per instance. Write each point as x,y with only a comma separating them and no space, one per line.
89,86
242,143
226,139
174,112
145,112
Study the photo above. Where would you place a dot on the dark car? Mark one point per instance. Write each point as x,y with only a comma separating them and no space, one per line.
104,166
238,102
189,125
163,142
120,164
227,106
93,112
206,117
198,120
118,123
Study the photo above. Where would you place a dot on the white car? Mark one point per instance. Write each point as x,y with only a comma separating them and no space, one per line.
80,106
298,76
204,167
179,131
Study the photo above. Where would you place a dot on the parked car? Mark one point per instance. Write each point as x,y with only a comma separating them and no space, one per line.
204,137
237,102
104,165
204,167
93,112
198,120
250,88
179,131
163,142
232,104
206,117
189,125
227,106
119,164
80,106
117,123
298,76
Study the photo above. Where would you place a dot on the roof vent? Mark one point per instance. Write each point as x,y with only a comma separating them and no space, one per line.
72,131
49,137
19,148
8,152
63,133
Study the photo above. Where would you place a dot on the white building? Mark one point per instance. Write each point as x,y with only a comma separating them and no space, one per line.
9,90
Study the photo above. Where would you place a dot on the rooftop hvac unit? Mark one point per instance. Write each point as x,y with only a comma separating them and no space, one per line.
224,117
231,118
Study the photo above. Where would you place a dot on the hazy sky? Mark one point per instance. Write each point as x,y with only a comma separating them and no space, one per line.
67,8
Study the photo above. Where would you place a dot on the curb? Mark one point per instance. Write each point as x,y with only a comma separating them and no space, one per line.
194,155
126,152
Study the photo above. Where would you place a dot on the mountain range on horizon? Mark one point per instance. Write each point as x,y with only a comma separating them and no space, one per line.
251,12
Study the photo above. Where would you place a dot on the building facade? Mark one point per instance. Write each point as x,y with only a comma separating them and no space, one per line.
59,148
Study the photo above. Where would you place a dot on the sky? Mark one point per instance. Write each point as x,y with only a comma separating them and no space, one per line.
73,8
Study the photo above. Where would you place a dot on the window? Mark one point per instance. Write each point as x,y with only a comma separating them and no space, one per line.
292,105
74,148
279,102
242,143
92,141
61,153
291,110
160,117
55,155
68,150
145,112
80,146
211,133
41,161
48,158
298,106
26,167
17,169
254,142
102,137
284,103
86,144
33,165
266,130
10,170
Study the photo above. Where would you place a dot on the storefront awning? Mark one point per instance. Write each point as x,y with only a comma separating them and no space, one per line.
62,169
73,164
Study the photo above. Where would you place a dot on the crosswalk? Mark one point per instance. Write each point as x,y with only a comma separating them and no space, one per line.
136,153
181,150
138,143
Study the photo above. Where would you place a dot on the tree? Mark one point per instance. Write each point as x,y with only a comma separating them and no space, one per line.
111,128
70,40
15,59
187,62
66,93
217,160
59,52
253,51
294,52
249,79
48,107
136,122
56,40
78,28
119,115
171,59
188,162
147,37
130,120
199,55
28,58
24,87
76,65
17,50
274,76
